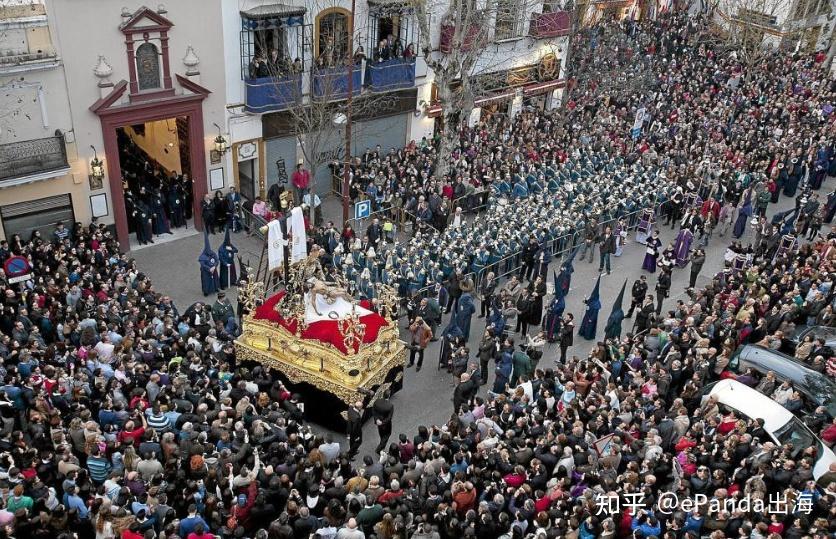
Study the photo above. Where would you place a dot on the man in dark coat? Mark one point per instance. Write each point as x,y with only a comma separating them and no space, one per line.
374,233
454,291
607,248
663,288
637,294
528,255
382,411
643,316
567,335
354,425
464,392
697,261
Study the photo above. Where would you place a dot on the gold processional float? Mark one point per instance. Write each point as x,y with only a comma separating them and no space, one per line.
328,347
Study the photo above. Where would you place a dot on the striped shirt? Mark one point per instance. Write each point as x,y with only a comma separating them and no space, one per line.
99,469
159,422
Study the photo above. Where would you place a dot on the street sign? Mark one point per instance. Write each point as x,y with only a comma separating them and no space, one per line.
17,269
362,209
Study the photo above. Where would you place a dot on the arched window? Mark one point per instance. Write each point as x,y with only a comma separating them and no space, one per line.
147,67
332,28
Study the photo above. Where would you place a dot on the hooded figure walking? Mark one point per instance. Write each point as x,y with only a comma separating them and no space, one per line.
208,267
226,260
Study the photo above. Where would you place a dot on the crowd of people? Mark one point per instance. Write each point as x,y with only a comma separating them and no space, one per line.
124,417
155,201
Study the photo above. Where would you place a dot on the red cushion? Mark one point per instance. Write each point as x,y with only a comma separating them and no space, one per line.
325,331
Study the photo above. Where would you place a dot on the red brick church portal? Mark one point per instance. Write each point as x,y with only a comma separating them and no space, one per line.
151,96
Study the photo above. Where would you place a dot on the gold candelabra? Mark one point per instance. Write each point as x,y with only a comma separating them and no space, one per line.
352,330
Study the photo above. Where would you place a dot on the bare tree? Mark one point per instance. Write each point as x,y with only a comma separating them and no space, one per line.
745,23
466,68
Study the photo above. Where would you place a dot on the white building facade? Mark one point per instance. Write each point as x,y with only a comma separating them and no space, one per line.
185,83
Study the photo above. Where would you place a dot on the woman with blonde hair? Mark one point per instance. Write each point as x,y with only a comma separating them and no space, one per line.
130,459
385,529
104,521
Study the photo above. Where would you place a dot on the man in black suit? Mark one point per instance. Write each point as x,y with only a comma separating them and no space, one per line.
382,410
355,428
644,315
374,233
464,392
637,294
567,335
607,247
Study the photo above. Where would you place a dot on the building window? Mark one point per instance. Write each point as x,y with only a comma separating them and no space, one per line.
332,28
509,19
272,41
147,67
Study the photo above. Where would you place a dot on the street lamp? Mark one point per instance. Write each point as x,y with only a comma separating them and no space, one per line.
221,145
96,166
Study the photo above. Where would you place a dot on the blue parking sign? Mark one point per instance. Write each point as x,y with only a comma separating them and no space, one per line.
362,209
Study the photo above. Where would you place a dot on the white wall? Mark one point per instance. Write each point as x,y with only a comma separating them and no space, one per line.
84,29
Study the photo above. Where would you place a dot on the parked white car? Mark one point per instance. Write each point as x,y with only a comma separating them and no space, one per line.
779,423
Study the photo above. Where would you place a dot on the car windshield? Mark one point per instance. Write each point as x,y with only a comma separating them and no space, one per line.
795,433
823,392
824,332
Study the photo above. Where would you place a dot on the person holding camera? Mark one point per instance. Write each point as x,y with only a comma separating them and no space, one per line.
420,337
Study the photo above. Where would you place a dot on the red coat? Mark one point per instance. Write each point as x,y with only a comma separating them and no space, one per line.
712,206
829,434
301,178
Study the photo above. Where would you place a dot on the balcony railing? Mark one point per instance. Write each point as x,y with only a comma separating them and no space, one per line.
553,24
448,32
269,94
332,82
394,74
30,157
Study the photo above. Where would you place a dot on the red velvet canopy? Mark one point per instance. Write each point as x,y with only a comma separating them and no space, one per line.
325,330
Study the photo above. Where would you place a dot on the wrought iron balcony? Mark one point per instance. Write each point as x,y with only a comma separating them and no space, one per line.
270,94
553,24
394,74
32,158
332,82
448,33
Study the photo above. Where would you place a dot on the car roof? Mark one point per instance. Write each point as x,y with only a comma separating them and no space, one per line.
751,403
784,366
821,332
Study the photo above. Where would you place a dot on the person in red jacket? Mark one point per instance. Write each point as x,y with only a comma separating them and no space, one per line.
200,533
301,180
464,497
829,433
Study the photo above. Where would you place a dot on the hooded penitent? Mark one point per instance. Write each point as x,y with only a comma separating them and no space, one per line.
226,259
613,329
590,318
208,267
